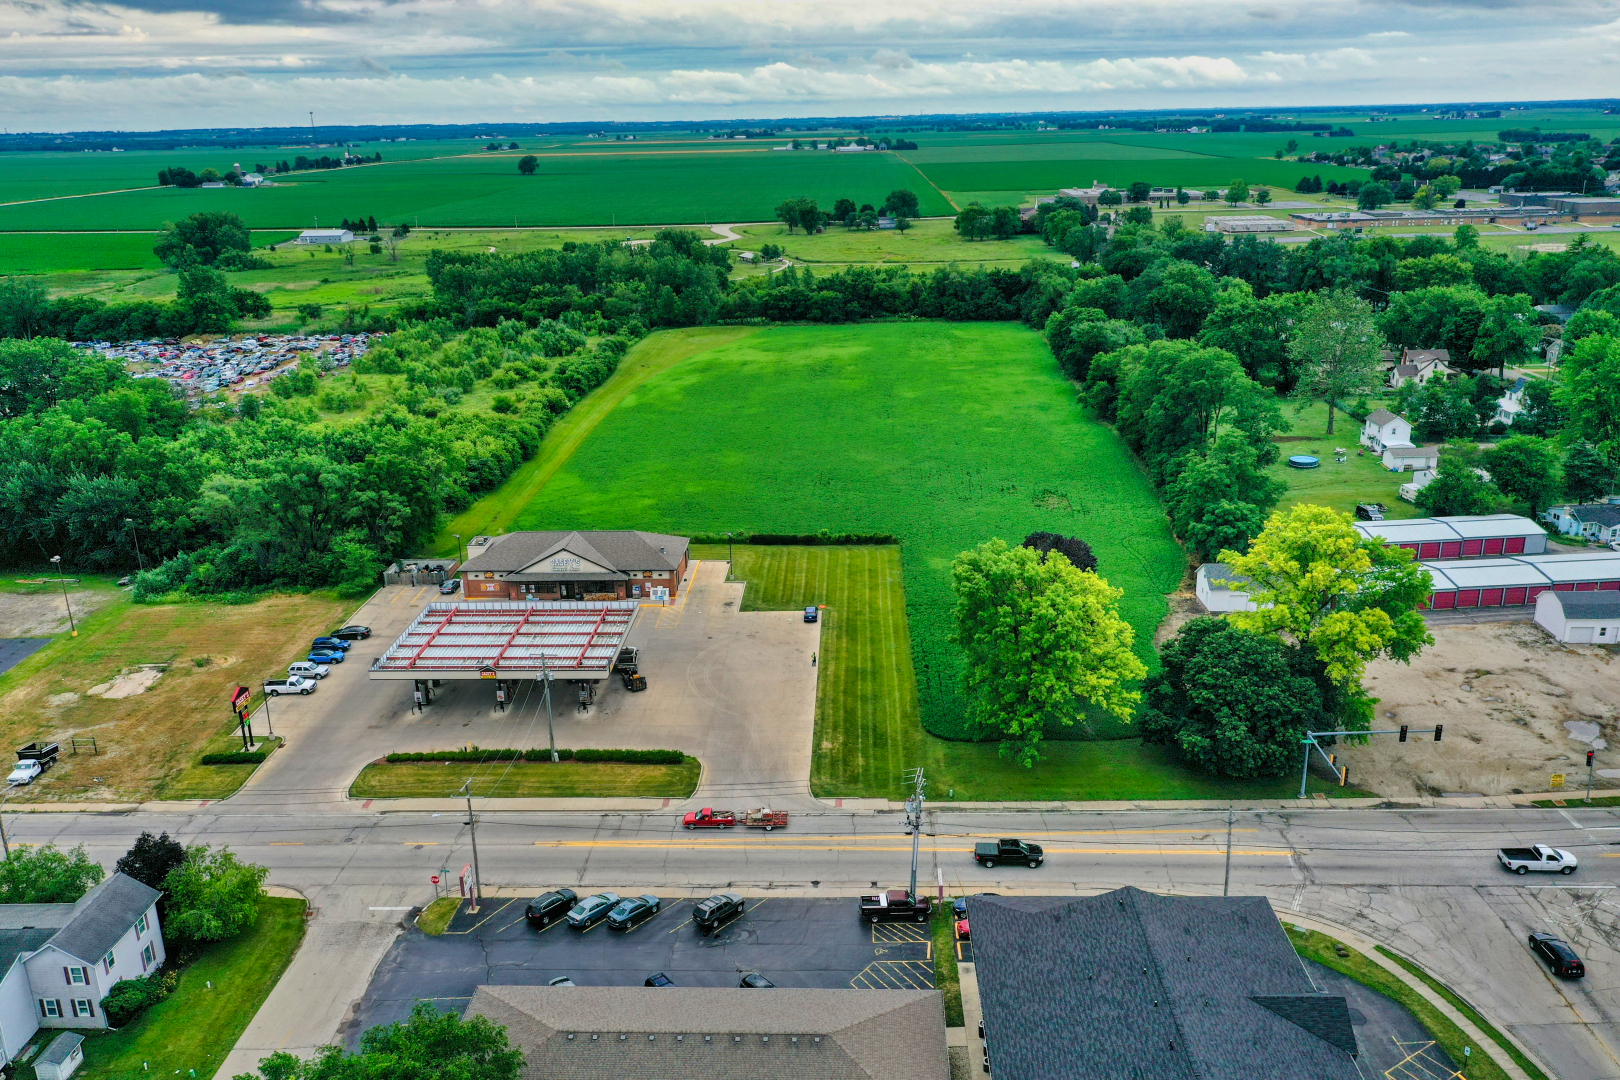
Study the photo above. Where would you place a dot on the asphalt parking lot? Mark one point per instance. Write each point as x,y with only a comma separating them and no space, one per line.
1388,1035
793,941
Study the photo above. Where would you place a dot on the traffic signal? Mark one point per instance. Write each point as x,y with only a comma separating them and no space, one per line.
1589,755
1403,732
1438,728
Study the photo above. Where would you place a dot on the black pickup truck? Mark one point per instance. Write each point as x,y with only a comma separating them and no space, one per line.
895,905
1009,851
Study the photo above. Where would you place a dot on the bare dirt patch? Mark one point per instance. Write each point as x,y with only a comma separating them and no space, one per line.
129,683
40,612
1517,707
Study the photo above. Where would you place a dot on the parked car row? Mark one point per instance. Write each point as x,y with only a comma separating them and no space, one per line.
624,913
303,675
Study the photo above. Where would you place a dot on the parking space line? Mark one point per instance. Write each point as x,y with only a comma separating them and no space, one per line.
482,921
894,975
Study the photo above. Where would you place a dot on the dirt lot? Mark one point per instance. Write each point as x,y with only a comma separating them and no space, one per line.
38,611
1516,705
150,683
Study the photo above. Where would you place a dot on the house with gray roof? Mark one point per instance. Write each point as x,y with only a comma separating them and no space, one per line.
58,961
1594,521
620,565
707,1033
1129,984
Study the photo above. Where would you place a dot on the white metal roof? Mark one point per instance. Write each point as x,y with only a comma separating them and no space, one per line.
1473,527
1523,570
470,639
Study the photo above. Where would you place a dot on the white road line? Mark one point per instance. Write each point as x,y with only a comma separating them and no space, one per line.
388,909
1571,820
1572,886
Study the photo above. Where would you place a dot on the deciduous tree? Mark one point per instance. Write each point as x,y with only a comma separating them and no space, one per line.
1588,475
527,164
151,859
1237,192
430,1045
1041,637
47,875
201,238
1526,468
1338,350
212,896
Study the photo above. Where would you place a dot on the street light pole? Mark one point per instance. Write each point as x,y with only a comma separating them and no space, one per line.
551,728
472,823
914,804
459,559
60,580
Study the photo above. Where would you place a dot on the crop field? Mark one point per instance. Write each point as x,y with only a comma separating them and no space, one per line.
944,435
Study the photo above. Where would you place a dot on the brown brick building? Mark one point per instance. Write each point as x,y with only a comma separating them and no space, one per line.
573,565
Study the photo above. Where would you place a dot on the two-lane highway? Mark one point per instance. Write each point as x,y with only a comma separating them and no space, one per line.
1426,882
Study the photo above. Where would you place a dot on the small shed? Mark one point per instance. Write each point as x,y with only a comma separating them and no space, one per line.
62,1058
1220,590
1585,618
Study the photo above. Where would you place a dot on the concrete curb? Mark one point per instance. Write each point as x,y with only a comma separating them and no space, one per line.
1369,948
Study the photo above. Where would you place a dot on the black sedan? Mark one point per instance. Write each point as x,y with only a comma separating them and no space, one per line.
352,633
630,913
1559,956
547,908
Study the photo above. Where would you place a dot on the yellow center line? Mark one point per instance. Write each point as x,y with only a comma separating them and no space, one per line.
1146,849
421,843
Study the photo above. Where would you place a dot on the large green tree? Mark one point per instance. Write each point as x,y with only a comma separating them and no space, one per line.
1588,393
1526,468
1257,332
201,238
47,875
1508,333
1041,639
1457,488
1235,702
1349,598
43,373
212,896
1588,475
429,1046
1338,349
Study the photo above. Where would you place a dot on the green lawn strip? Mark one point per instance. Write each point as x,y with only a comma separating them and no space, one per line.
215,781
1601,800
437,915
947,980
1474,1017
495,512
526,779
196,1026
1319,947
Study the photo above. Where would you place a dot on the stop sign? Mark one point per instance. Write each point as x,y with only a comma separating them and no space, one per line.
435,879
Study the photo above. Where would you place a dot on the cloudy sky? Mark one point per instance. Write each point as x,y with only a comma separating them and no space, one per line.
78,64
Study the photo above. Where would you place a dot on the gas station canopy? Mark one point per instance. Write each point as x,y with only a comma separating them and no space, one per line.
507,639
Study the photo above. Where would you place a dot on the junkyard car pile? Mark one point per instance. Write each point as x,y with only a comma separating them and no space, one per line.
230,363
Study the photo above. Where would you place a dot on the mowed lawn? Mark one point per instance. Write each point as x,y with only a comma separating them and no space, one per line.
526,779
867,731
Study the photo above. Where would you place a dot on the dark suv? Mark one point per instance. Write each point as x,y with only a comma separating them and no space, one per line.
716,911
1559,956
547,908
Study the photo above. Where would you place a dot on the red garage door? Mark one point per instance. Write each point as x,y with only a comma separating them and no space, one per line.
1535,591
1514,546
1431,551
1513,597
1444,600
1493,546
1586,586
1468,598
1473,547
1563,586
1610,585
1451,549
1490,598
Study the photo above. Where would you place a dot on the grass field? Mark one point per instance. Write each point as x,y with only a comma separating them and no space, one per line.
190,1032
527,779
933,241
942,434
1360,479
867,727
146,739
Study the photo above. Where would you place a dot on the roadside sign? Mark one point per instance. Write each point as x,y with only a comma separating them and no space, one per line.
435,879
241,694
1557,780
486,672
466,880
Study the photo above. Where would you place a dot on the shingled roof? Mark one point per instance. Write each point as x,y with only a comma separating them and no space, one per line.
621,551
1128,985
86,929
702,1033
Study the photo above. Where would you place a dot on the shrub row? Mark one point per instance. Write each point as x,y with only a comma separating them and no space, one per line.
632,757
236,757
798,539
130,997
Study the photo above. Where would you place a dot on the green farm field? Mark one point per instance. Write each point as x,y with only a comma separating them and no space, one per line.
944,435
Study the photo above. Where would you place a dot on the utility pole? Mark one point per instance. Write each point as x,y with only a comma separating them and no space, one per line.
551,729
139,561
1226,885
472,823
5,845
312,127
730,559
56,560
914,804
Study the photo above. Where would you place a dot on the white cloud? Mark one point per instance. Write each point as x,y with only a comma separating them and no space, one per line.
1387,34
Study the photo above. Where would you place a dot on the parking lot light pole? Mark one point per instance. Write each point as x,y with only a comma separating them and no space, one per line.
60,580
136,540
459,559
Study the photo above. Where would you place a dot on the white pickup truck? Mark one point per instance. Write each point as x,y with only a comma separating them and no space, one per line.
1540,857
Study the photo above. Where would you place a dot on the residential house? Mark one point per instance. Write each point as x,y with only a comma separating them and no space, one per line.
324,236
1383,428
1510,404
590,1032
58,961
1413,458
1585,618
1599,522
1419,366
1128,985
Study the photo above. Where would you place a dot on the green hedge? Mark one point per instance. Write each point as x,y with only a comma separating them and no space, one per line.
236,757
632,757
130,997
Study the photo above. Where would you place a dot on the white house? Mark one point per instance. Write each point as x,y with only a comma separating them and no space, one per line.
1383,428
1421,478
325,236
58,961
1586,618
1402,458
1510,404
1419,366
1594,521
1220,590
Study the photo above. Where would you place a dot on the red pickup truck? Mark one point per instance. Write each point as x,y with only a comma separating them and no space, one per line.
708,818
764,818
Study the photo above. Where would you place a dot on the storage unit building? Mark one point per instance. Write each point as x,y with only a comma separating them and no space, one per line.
1588,618
1220,590
61,1058
1460,537
1512,582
